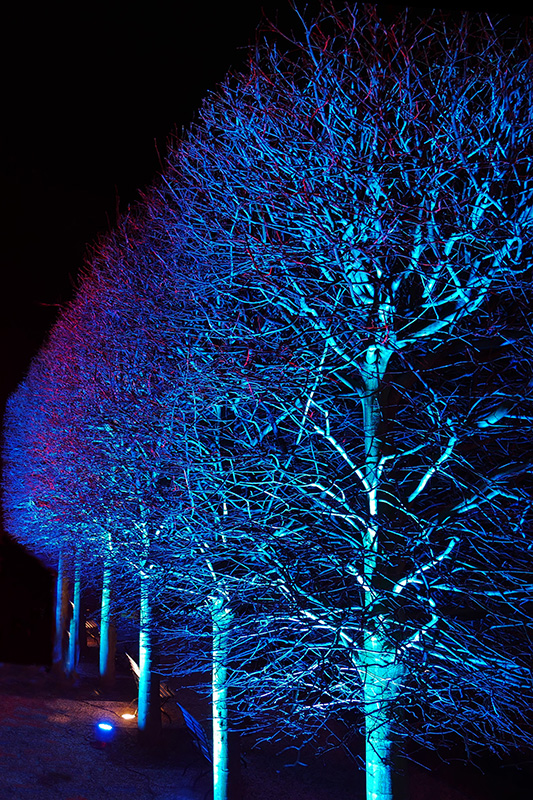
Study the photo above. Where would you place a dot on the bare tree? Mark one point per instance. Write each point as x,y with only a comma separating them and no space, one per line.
302,384
360,204
131,426
41,482
87,446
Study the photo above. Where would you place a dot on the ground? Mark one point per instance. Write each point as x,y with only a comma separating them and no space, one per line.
49,751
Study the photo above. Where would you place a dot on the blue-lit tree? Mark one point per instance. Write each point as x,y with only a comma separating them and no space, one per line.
287,413
360,203
154,419
124,383
43,483
117,315
76,461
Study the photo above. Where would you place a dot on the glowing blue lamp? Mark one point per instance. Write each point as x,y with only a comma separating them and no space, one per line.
104,733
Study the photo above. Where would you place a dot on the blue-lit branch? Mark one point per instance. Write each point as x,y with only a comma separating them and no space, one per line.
360,209
287,415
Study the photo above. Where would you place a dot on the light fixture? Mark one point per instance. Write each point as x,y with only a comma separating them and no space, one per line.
103,734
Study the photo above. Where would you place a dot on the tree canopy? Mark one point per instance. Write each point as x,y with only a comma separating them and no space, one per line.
302,374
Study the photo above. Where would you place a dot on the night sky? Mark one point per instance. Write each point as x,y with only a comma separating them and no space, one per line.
90,94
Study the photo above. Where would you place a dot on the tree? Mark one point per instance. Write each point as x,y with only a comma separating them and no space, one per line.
141,398
360,204
120,383
41,483
132,429
298,391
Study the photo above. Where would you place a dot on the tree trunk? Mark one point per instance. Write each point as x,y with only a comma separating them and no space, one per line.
378,750
74,627
148,707
380,671
61,617
221,617
108,635
381,687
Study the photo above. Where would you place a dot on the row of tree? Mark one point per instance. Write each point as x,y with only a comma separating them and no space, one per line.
286,419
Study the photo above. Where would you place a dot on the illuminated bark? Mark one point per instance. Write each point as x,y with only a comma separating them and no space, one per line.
106,654
379,671
73,654
381,682
61,616
148,707
222,619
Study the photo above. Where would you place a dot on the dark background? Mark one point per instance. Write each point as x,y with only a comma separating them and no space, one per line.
89,96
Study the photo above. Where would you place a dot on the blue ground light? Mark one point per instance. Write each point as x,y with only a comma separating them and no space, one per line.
104,733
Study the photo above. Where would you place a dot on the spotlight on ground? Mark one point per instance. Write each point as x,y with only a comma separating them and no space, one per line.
128,716
104,733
